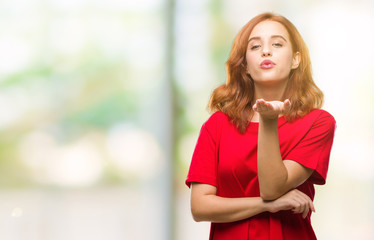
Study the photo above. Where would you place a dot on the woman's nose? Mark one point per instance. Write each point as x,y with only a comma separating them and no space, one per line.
266,52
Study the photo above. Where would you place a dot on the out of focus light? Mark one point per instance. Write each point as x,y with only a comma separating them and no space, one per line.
77,164
134,150
67,36
74,164
15,54
13,105
189,47
17,212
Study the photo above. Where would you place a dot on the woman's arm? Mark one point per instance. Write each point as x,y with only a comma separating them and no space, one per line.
207,206
276,176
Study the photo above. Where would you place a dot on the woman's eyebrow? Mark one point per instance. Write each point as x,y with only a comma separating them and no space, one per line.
279,36
254,38
272,36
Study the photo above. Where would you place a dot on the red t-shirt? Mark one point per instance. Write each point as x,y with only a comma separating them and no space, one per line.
227,160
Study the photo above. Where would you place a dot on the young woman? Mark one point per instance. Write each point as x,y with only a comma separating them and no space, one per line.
259,155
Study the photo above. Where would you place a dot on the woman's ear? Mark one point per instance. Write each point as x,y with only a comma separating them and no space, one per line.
296,60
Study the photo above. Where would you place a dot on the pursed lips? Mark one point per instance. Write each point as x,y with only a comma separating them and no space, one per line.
266,64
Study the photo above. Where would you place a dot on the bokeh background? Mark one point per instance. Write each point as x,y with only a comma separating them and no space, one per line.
102,101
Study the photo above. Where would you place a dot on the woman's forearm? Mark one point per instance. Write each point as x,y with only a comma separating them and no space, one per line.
213,208
272,173
207,206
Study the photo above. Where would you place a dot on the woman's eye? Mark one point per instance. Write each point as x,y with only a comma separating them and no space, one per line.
254,47
278,44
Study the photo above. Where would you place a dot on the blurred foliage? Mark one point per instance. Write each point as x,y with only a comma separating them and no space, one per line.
221,39
72,91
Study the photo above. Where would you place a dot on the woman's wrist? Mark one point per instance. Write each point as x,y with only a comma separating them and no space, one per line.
267,205
269,120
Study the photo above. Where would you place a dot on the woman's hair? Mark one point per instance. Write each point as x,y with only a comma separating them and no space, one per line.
236,97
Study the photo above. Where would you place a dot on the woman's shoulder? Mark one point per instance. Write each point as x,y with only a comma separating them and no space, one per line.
321,112
318,118
214,125
219,116
216,119
320,115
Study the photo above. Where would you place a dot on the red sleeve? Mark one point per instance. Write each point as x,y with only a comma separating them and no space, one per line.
313,151
203,168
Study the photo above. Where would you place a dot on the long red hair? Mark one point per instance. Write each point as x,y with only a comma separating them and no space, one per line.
236,97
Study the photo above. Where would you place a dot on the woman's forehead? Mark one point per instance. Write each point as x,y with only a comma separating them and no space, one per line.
267,29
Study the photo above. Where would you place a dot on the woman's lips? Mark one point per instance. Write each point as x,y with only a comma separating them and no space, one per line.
266,64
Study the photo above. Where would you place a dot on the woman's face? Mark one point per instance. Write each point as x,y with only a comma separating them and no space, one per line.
269,53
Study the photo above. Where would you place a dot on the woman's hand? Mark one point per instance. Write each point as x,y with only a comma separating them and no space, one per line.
294,200
271,109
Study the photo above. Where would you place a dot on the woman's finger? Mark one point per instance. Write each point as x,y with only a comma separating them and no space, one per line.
287,105
309,201
287,102
305,212
306,203
312,206
300,206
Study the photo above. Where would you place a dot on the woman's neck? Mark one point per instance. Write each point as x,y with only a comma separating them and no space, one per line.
270,93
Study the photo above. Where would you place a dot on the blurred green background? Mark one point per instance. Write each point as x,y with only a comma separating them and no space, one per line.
102,102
